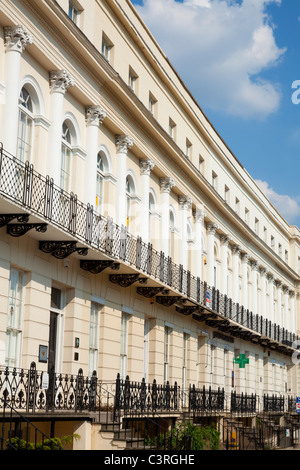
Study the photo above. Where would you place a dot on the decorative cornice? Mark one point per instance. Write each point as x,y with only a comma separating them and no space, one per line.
60,81
16,38
146,167
94,115
166,184
123,143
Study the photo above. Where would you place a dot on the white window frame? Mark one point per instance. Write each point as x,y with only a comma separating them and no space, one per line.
25,141
124,344
74,12
66,159
146,348
167,344
95,315
106,48
60,311
14,328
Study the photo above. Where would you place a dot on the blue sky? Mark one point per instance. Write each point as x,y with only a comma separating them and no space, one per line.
240,59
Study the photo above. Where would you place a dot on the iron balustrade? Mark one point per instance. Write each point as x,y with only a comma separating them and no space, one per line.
25,390
273,403
206,400
21,184
243,403
140,397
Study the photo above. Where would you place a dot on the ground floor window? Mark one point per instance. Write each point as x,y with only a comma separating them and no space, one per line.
14,318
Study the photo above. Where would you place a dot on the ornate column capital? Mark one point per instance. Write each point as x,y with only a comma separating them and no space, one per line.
184,202
60,81
254,265
212,228
245,257
278,283
146,166
94,115
123,143
236,249
16,38
199,214
166,184
270,277
263,271
285,289
225,239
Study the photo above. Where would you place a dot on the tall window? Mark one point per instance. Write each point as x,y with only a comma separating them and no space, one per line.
94,337
172,129
66,153
212,364
100,184
130,192
124,344
168,331
132,80
184,364
14,318
74,12
152,104
151,209
188,149
25,127
146,347
106,48
171,234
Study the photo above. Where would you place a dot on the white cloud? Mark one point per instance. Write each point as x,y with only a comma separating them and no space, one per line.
289,208
219,48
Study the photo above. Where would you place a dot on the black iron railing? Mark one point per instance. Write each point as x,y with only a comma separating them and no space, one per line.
26,390
243,402
38,195
206,399
146,398
274,403
18,433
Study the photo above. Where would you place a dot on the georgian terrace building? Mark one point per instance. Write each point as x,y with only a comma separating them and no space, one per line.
132,239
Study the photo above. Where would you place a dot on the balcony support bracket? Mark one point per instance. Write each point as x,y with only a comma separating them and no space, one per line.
18,230
6,218
97,266
61,250
126,280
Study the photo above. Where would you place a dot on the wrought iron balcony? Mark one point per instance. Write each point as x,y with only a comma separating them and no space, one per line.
156,276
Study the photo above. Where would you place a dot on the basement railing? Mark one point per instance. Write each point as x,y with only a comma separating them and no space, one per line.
34,391
37,195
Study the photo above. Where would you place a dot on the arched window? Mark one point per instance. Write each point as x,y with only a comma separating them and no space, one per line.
130,190
171,234
25,126
66,153
100,184
151,209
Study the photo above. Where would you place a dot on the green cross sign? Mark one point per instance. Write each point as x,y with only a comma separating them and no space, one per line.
241,361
